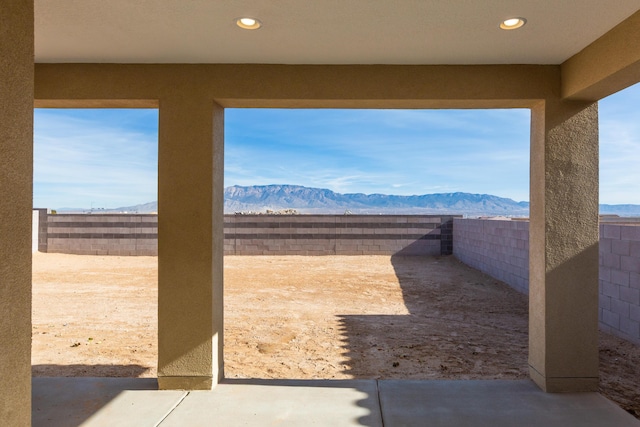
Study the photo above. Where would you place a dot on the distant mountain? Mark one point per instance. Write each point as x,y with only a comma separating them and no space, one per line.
259,198
151,207
318,200
622,210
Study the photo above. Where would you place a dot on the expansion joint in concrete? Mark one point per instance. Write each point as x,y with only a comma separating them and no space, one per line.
173,408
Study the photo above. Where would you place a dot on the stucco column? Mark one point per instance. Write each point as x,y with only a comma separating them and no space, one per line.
16,178
190,242
563,260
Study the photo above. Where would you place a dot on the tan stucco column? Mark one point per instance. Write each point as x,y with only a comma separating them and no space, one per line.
16,177
563,261
190,242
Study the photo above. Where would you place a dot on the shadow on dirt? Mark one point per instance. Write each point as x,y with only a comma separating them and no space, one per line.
72,370
461,324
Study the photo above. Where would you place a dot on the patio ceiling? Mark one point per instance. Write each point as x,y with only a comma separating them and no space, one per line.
321,31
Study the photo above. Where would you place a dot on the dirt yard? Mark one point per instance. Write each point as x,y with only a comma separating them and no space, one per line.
305,317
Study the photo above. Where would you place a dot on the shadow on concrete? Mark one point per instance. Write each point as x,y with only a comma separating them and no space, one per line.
67,395
454,325
136,402
71,401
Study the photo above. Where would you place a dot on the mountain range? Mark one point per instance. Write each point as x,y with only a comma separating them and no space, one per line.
259,198
320,200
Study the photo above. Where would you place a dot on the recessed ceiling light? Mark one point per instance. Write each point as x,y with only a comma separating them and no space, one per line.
512,23
248,23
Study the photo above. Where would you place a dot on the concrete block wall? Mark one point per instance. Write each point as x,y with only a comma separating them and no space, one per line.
337,235
116,234
619,303
41,229
102,234
498,248
35,221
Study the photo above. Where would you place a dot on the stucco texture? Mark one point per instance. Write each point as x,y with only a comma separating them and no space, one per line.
16,175
564,246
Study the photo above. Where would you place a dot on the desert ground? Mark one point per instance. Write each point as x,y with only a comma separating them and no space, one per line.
305,317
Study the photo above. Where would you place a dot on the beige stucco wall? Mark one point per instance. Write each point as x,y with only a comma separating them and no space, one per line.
16,175
606,66
563,248
190,241
298,86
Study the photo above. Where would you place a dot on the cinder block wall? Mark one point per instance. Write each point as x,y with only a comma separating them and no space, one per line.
337,235
498,248
103,234
42,229
116,234
620,280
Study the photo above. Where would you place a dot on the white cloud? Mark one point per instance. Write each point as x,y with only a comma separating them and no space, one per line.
81,158
109,158
374,150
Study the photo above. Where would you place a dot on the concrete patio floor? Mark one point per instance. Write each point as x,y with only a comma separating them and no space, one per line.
123,402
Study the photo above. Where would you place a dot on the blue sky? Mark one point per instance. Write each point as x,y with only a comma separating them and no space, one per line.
108,158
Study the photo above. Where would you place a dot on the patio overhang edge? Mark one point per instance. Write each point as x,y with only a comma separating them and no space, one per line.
296,86
606,66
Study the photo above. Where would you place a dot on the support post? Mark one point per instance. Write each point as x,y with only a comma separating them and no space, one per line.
563,261
190,242
16,195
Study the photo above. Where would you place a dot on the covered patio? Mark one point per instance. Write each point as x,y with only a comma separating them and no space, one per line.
191,61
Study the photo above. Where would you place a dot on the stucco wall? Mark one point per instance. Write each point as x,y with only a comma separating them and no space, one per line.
16,200
500,249
117,234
